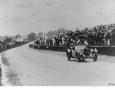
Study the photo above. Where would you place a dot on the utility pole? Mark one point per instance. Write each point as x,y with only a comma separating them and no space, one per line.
44,35
44,38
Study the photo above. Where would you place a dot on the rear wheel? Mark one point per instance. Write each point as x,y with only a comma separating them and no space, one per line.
95,57
30,46
68,56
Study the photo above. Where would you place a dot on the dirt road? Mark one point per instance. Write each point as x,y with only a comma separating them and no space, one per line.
31,67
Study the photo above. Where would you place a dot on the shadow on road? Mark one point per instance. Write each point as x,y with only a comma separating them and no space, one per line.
80,61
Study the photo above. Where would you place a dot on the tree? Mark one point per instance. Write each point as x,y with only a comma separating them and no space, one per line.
32,36
50,34
57,32
40,34
18,35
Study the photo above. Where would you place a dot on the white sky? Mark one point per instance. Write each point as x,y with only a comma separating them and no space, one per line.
25,16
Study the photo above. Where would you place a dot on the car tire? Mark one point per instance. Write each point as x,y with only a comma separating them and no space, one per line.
78,57
68,59
68,56
95,56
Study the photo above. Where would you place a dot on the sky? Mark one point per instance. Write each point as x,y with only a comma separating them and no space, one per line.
26,16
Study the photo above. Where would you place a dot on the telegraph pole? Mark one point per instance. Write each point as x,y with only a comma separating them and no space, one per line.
44,38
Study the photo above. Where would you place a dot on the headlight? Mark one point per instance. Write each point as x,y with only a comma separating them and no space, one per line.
95,50
78,51
68,50
91,50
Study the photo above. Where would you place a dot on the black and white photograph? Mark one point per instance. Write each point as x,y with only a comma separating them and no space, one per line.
57,43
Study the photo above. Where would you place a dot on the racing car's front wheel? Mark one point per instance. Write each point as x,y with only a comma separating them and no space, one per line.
95,57
68,55
80,58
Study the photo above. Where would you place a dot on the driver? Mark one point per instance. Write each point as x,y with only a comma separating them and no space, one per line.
73,51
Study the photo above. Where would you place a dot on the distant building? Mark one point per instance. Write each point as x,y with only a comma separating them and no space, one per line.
19,39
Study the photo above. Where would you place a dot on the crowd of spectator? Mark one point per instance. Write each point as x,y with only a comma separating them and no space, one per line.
98,35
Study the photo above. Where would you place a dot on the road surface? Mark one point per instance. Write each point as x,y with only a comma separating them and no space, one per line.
24,66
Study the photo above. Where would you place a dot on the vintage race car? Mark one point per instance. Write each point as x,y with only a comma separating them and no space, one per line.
35,44
80,52
31,45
